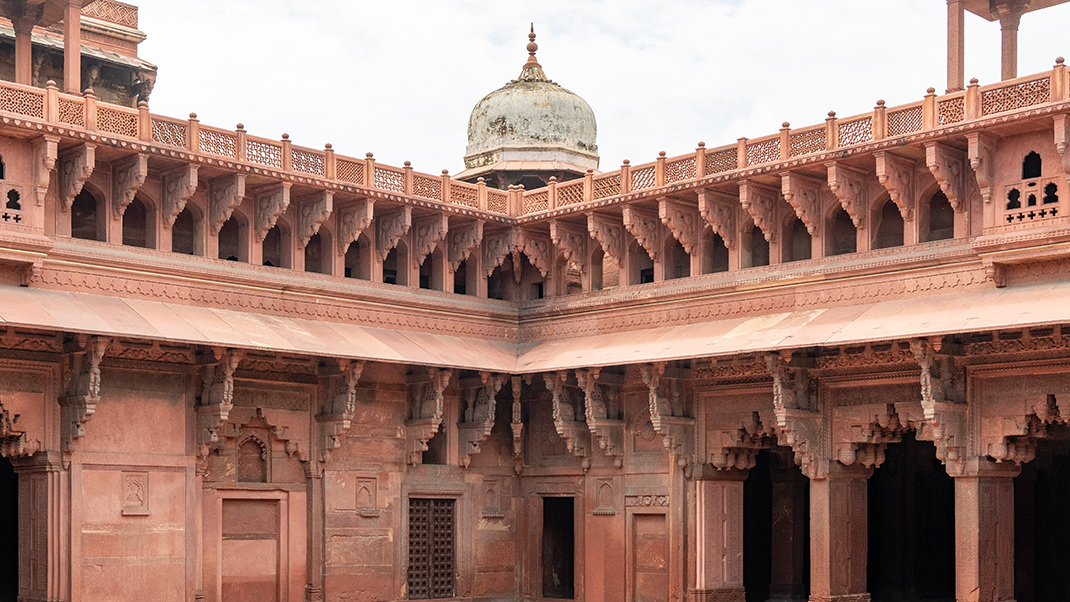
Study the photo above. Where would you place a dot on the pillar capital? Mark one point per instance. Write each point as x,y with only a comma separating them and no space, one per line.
982,467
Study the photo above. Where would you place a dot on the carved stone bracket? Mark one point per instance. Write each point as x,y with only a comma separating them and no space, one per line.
178,187
733,441
804,195
479,416
761,203
389,228
645,226
572,241
45,153
948,166
1062,141
313,211
517,426
217,398
496,247
75,167
719,211
79,402
943,405
797,426
463,240
575,433
609,233
427,416
352,220
849,186
340,406
13,442
225,195
271,203
666,413
862,435
683,221
601,421
426,234
127,177
896,174
537,248
981,152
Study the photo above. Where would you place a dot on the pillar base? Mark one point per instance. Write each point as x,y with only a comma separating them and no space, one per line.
841,598
735,594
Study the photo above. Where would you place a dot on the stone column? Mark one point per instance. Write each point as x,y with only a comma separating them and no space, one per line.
719,537
956,49
838,535
984,533
23,50
72,47
790,508
1008,25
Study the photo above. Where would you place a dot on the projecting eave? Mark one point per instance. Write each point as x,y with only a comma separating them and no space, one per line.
989,9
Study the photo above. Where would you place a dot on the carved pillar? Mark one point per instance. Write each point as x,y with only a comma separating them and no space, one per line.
72,47
23,49
1008,25
719,537
790,507
44,558
984,533
956,47
838,534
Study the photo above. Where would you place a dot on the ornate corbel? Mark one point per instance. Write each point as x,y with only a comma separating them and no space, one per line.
426,234
804,195
13,442
667,413
981,152
271,203
849,186
604,426
83,387
797,426
609,233
463,240
943,404
340,406
575,433
683,221
479,416
312,212
225,194
496,247
645,226
75,167
948,166
45,153
178,187
896,174
863,434
352,220
428,413
761,203
734,443
389,228
571,240
217,398
536,247
517,426
1062,141
719,211
127,177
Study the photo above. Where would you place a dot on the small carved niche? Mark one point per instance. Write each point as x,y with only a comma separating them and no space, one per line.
252,461
135,494
367,497
604,499
492,499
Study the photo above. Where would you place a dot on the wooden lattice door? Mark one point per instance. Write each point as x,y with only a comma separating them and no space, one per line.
431,548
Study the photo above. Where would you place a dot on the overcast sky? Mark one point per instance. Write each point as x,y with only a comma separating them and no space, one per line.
399,79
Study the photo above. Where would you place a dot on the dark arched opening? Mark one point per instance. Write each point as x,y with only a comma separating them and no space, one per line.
272,247
717,260
9,532
84,217
314,255
1041,523
1031,166
460,278
776,529
756,249
843,237
135,226
941,218
677,261
889,227
801,243
230,240
183,234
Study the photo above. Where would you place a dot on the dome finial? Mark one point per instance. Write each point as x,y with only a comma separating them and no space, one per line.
532,48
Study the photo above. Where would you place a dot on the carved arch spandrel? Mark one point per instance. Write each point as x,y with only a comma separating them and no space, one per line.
762,203
353,218
798,427
462,241
683,221
271,203
389,228
178,187
948,165
666,407
225,194
605,427
804,193
497,246
646,227
572,240
538,248
426,234
340,405
79,403
127,177
849,184
312,211
719,210
217,397
943,404
75,167
609,232
898,176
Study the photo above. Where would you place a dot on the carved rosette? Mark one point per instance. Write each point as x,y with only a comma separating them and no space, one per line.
666,414
479,416
609,233
312,212
389,228
178,187
225,194
797,427
75,167
13,442
271,203
352,220
463,240
575,433
896,174
719,211
426,234
517,426
341,404
804,195
496,247
45,154
571,240
645,226
981,152
127,177
761,203
948,166
428,413
849,186
683,221
607,430
83,388
217,398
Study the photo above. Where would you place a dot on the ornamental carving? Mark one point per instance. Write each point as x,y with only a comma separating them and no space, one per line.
178,187
605,427
496,247
225,194
645,226
849,186
13,441
79,402
804,195
537,247
733,440
571,240
478,416
389,228
517,426
271,203
719,211
340,405
683,221
427,414
217,398
798,427
896,174
75,167
463,240
609,232
981,152
426,234
45,153
575,433
352,220
761,203
948,166
311,213
127,177
667,413
943,404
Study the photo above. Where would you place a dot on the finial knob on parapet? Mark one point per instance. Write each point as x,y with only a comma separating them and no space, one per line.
532,47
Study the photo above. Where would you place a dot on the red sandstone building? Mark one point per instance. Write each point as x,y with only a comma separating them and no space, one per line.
827,363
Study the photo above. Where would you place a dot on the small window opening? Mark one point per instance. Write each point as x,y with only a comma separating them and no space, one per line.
426,269
182,233
1031,166
1050,195
390,267
890,230
558,548
273,247
942,217
801,242
1014,199
229,240
844,234
460,279
13,200
314,259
